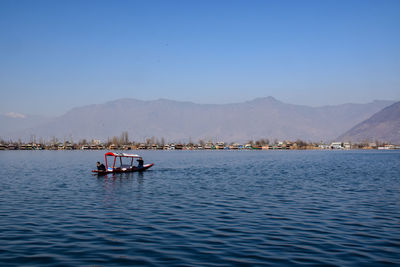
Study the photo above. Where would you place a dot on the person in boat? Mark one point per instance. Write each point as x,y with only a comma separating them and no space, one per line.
100,166
140,161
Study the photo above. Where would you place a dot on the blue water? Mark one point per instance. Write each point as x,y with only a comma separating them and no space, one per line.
201,208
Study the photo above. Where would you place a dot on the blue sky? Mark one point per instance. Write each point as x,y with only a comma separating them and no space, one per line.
55,55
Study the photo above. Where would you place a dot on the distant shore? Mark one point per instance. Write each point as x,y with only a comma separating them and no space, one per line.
285,145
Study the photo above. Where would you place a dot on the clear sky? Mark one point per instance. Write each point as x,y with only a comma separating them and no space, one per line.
55,55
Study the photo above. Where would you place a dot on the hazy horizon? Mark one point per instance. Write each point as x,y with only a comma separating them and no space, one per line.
15,114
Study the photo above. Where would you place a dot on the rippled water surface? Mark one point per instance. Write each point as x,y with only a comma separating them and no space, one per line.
201,208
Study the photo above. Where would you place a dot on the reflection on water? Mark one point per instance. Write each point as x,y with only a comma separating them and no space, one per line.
115,183
201,208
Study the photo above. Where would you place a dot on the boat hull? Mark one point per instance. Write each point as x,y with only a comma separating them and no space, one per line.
119,170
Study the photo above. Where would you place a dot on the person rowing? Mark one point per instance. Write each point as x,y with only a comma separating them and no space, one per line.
100,166
140,161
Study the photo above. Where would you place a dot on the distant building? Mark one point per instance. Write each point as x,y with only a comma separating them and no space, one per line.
112,147
142,146
178,146
209,146
248,146
220,145
336,145
324,146
236,146
372,145
387,147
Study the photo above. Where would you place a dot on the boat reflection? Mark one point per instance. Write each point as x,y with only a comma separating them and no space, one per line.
115,186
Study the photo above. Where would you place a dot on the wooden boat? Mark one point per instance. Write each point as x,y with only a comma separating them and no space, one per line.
121,162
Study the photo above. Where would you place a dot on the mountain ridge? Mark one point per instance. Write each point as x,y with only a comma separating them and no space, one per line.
382,126
264,117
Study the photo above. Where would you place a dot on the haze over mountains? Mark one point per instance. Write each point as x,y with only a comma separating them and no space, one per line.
383,126
183,121
11,124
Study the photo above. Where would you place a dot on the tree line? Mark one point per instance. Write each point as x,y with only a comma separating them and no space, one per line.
123,139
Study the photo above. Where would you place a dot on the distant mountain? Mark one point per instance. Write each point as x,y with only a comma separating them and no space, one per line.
183,121
382,126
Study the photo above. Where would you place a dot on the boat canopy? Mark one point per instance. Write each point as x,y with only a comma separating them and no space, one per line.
120,156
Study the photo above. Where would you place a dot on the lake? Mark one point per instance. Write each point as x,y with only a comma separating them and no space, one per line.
201,208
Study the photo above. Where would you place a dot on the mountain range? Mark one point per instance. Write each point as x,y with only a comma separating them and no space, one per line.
178,121
383,126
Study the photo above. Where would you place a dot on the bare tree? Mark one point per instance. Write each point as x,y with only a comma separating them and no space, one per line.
115,140
301,144
124,139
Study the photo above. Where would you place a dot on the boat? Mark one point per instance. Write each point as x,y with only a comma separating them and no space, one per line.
121,162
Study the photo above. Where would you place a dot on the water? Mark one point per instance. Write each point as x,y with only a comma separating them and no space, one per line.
201,208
